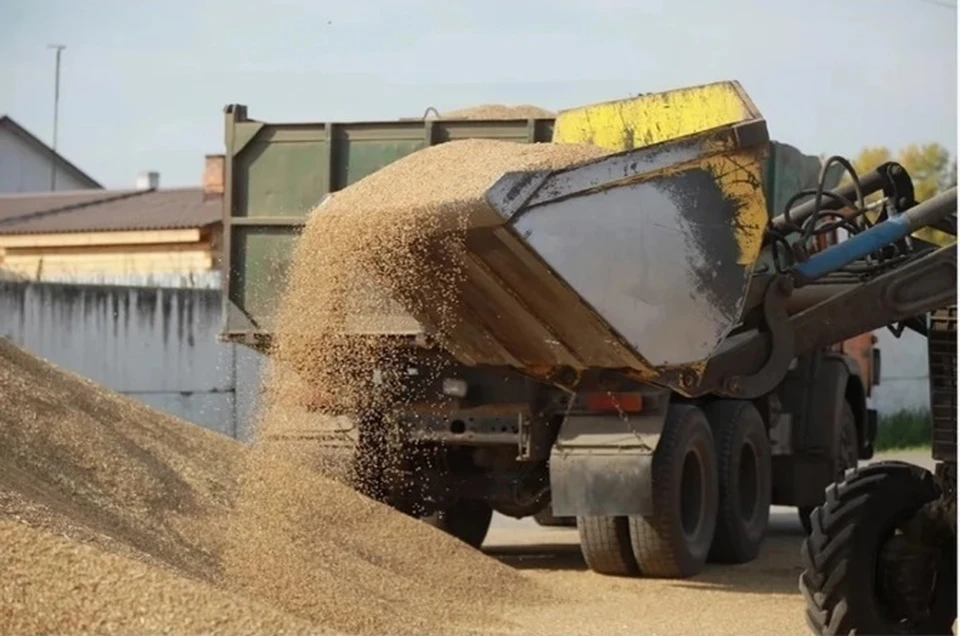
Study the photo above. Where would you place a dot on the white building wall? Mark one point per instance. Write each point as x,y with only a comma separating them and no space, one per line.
24,169
904,375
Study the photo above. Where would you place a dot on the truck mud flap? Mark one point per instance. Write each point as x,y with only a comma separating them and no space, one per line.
602,465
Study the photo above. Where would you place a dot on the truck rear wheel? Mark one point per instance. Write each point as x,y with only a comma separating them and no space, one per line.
605,544
467,520
868,567
847,456
743,455
675,540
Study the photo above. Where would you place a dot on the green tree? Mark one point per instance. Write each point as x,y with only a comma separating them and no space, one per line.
950,179
871,157
929,166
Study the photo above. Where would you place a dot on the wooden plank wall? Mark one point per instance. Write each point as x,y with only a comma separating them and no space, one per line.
110,253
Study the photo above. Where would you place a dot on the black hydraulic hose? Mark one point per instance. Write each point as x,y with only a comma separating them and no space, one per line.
871,182
818,198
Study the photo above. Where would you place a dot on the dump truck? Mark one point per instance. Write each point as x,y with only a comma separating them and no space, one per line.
662,373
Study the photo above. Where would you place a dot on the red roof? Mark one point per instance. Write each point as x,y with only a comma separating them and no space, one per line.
108,210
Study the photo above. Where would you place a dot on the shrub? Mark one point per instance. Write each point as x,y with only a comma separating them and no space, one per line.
907,428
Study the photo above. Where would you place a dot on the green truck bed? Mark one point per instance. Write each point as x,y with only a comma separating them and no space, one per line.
276,173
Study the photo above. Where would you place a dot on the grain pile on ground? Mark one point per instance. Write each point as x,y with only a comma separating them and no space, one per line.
145,506
52,584
321,551
80,460
499,111
111,514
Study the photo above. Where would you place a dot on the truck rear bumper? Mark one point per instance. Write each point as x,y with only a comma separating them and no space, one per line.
462,428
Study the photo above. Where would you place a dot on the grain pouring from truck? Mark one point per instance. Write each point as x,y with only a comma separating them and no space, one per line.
655,372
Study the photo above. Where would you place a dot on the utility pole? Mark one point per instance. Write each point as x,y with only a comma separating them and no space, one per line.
56,114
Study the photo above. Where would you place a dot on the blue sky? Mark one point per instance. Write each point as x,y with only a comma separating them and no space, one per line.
144,84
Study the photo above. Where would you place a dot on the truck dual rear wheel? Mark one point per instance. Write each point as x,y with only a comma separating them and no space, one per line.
605,544
674,541
863,570
744,472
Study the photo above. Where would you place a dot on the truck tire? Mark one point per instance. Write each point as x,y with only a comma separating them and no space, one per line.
675,540
745,480
847,582
467,520
605,545
847,456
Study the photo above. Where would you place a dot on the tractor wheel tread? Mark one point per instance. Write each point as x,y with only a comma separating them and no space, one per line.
845,531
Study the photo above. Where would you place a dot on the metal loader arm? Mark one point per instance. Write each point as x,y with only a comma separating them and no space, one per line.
748,364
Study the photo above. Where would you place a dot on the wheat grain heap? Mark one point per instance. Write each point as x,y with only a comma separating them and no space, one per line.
111,513
79,460
115,518
499,111
54,585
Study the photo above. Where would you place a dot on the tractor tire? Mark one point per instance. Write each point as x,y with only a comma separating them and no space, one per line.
605,545
847,457
468,520
674,541
854,582
745,480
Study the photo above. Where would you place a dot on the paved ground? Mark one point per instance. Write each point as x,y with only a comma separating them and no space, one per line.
756,598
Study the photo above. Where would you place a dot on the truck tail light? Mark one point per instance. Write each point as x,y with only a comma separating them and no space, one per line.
613,402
